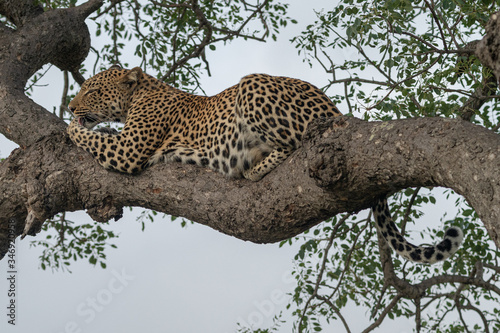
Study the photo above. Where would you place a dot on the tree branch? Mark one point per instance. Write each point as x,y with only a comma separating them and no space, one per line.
384,313
479,312
18,12
208,29
438,23
319,278
442,279
480,96
42,41
16,109
343,166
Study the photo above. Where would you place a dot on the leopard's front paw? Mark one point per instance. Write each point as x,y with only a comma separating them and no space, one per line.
253,175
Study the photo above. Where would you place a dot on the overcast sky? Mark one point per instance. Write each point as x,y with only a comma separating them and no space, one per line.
170,279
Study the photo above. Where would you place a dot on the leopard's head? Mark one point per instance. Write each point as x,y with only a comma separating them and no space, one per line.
105,96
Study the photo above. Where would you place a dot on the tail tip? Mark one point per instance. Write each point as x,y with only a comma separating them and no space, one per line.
455,235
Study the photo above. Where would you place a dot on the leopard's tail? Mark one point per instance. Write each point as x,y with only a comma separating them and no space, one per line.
420,254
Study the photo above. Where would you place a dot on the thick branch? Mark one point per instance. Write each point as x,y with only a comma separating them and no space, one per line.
57,36
16,109
19,11
344,165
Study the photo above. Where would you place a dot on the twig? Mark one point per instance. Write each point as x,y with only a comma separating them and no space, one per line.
114,36
206,26
336,310
418,314
348,259
107,10
62,107
137,19
442,318
38,79
495,268
379,300
480,314
384,313
421,40
394,86
460,314
356,79
347,99
436,19
408,210
172,5
481,94
323,265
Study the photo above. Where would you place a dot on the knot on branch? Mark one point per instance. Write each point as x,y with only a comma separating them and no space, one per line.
323,154
59,36
105,211
72,46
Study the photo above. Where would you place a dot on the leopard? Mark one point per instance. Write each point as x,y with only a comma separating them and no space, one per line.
245,131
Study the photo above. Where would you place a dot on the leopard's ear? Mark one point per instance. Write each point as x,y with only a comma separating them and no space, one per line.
131,78
115,66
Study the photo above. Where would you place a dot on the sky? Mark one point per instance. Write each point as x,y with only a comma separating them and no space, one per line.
168,278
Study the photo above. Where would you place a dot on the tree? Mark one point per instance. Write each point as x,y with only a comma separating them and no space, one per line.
344,163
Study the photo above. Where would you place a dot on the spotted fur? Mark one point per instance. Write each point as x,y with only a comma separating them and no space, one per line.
422,254
244,131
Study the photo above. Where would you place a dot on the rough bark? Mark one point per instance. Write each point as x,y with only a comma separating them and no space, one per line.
343,165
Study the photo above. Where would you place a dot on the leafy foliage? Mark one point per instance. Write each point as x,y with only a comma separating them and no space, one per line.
173,38
404,58
67,241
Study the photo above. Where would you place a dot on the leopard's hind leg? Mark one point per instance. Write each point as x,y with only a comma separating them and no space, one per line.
267,164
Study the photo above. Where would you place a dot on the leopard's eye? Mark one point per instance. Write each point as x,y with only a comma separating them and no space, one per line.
91,91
